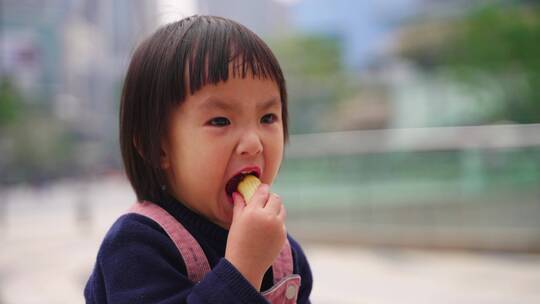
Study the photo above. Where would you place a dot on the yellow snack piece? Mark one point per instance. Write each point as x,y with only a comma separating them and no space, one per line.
248,186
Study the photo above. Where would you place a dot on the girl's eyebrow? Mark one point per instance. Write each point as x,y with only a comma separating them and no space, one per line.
213,102
269,103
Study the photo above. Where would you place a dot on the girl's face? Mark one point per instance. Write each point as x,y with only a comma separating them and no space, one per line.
217,133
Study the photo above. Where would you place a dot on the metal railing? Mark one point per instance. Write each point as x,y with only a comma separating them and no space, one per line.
460,187
413,139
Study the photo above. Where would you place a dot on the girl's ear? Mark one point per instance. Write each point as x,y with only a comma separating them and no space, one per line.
164,160
164,156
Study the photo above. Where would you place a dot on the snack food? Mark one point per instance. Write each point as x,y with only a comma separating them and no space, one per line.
248,186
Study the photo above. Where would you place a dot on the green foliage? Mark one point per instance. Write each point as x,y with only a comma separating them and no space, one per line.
316,78
309,55
36,148
504,42
10,102
498,40
497,46
34,144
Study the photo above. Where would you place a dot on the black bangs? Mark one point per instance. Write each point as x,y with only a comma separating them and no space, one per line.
213,45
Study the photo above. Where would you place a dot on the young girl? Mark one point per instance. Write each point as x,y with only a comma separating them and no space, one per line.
204,103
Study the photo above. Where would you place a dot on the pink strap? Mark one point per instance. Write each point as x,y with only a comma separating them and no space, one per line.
284,292
283,265
194,258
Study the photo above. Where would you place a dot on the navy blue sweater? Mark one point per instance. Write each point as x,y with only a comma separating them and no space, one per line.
138,263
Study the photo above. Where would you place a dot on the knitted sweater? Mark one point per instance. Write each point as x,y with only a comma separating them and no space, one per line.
138,263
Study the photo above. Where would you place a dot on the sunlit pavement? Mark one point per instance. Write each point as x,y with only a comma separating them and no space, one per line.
50,238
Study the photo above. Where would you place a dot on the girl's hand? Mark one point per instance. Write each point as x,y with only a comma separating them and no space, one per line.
257,234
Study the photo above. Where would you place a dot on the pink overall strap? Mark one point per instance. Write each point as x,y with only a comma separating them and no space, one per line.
283,265
286,284
194,258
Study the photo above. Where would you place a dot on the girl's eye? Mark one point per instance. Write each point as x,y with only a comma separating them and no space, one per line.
269,118
219,122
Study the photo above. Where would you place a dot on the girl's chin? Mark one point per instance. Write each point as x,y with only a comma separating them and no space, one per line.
228,204
225,223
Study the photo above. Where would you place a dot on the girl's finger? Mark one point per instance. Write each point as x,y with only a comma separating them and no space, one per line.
260,196
282,215
239,204
274,203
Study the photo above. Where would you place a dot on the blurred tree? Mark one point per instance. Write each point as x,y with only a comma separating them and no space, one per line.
40,149
310,55
34,144
10,102
497,46
316,78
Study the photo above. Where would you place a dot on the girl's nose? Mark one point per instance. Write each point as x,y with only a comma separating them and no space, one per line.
250,144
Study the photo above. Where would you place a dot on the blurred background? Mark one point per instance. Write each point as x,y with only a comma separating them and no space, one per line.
413,169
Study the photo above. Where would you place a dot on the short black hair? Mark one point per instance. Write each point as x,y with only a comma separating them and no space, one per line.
173,63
